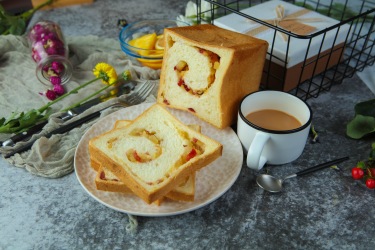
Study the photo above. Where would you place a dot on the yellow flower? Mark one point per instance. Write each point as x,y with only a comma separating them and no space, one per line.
105,72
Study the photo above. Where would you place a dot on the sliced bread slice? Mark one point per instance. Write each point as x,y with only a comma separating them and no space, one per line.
105,180
154,153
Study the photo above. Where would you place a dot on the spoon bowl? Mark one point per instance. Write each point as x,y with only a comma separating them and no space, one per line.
270,183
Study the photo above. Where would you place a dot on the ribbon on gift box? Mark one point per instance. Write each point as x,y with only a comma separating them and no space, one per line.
293,23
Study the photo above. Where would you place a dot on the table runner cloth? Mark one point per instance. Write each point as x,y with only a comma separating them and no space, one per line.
53,157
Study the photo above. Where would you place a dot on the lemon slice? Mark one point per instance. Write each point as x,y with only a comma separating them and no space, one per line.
159,42
154,64
144,42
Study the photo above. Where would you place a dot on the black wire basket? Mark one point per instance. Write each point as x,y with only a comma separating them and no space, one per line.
352,37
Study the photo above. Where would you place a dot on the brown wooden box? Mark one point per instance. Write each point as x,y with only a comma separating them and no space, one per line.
274,78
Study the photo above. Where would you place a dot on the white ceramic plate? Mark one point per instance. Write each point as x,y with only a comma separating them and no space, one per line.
211,182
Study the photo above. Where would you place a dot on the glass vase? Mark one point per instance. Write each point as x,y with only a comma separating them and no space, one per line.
50,52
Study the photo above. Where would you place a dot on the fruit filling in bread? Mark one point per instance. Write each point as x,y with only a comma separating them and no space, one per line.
106,175
193,148
187,82
137,156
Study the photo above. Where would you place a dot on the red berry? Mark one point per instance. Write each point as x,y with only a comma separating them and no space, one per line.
357,173
370,183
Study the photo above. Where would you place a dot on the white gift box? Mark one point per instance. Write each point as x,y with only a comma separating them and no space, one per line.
297,59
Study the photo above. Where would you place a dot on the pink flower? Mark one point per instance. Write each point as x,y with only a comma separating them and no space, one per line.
58,89
55,80
51,95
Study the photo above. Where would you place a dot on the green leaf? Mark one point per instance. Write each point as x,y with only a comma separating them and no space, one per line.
361,164
2,121
22,121
360,126
366,108
2,12
29,118
18,26
372,152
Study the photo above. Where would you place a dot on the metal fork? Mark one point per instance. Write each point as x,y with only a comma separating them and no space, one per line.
140,94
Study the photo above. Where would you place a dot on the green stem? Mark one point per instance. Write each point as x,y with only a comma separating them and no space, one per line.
6,32
45,107
29,13
88,97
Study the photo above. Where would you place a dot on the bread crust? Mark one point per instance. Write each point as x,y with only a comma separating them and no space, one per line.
241,63
177,194
161,191
110,185
116,186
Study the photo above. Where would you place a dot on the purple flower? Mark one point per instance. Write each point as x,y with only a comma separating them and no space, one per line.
57,67
35,55
39,50
51,95
55,80
51,51
36,32
60,51
51,36
46,68
59,89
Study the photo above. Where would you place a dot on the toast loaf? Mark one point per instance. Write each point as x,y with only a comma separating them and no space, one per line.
207,70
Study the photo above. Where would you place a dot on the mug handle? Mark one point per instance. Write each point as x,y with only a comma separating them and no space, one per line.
255,160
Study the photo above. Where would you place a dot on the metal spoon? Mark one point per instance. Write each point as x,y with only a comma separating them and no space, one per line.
273,184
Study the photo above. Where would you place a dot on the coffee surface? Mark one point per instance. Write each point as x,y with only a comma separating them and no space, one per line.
273,119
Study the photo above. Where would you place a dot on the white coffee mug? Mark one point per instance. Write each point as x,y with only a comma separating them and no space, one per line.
273,147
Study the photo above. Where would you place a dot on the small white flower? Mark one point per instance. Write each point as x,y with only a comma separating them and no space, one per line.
191,9
191,12
184,19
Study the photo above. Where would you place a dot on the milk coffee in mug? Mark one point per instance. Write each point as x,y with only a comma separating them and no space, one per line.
273,127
